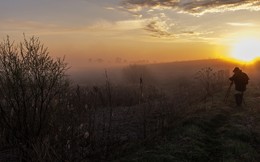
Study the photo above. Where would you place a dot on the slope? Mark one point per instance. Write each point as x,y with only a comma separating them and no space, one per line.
211,131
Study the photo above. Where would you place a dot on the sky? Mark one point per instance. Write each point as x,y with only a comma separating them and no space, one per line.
90,32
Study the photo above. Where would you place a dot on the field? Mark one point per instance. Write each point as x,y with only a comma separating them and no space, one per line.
159,112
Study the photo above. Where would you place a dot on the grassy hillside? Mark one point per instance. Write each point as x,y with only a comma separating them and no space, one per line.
209,131
174,112
188,124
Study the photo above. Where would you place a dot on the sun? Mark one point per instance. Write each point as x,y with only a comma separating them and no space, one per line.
246,50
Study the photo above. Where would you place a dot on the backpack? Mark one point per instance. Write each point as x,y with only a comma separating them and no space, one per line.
244,78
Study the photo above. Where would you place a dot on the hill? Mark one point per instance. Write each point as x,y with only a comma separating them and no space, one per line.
184,125
209,131
172,73
163,73
175,117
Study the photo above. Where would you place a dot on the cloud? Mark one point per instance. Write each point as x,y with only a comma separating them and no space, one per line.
110,8
241,24
124,25
163,18
189,33
194,7
158,29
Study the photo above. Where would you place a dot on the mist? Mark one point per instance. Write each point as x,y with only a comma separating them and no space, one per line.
115,111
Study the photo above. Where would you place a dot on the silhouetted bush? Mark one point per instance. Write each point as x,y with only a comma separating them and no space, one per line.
30,84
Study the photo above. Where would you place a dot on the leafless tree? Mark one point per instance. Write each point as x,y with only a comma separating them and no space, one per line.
30,83
206,77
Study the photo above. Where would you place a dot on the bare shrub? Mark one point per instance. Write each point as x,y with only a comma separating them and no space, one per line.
211,81
30,82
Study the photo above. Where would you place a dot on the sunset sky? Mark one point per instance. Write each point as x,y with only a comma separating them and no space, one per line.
128,31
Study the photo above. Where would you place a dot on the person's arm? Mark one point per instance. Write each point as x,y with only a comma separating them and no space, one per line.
232,78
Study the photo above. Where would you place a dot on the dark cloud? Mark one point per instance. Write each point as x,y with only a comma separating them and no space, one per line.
189,32
157,29
196,7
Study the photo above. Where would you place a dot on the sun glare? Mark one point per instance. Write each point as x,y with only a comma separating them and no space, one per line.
246,50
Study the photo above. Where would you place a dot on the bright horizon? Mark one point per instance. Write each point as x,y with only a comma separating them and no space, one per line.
114,32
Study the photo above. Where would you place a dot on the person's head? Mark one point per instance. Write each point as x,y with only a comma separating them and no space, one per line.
237,70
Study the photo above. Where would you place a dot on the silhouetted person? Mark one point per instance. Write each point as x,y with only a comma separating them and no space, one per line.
241,80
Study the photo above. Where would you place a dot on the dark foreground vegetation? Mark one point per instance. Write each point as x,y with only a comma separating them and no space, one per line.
45,117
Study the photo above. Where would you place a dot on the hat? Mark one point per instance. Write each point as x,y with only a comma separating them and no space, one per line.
236,69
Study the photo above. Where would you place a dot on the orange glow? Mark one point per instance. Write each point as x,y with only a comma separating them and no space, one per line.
246,50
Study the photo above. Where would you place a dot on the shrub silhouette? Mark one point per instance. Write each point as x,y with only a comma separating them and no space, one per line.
30,83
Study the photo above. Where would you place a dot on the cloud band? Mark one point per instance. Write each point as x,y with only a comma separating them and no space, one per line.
194,7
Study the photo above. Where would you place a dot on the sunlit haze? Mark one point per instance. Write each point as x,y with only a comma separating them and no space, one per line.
246,49
117,32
